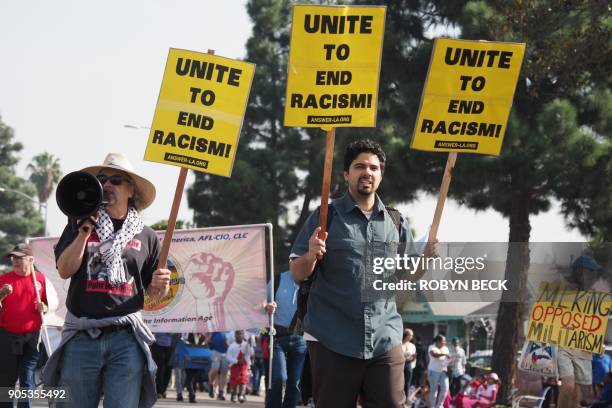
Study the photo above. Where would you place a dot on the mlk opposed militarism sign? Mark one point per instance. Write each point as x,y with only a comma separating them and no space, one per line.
570,318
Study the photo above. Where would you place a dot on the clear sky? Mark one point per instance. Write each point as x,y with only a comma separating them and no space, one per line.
73,73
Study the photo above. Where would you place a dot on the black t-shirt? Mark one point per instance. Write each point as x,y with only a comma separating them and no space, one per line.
91,294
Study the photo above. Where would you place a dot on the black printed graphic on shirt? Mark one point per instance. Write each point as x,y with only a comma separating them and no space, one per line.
92,294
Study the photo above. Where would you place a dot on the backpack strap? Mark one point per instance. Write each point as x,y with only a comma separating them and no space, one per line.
397,221
396,218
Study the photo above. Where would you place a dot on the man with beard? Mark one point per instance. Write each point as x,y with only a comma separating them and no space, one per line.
104,348
354,343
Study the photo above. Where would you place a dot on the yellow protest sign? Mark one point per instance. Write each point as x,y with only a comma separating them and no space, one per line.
199,112
571,318
334,65
467,96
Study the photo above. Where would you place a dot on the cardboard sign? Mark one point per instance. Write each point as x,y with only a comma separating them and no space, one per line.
199,112
467,96
334,65
571,318
539,358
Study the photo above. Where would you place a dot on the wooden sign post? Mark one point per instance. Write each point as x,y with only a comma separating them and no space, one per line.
176,204
330,141
444,186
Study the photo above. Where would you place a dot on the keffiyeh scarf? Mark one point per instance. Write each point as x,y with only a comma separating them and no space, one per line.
111,256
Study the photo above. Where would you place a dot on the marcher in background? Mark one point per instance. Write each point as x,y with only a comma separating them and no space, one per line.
409,351
289,349
605,397
179,371
162,352
421,362
457,365
217,375
112,260
200,376
575,368
20,321
192,374
439,358
265,353
354,346
239,356
602,364
257,367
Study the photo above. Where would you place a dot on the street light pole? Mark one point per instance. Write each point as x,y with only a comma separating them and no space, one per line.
35,201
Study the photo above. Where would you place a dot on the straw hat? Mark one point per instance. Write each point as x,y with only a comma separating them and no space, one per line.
144,189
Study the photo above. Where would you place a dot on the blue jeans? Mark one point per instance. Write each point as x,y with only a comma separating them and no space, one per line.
257,369
407,377
287,365
17,366
178,380
112,364
27,366
437,380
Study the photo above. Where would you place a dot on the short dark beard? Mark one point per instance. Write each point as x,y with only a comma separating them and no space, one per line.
362,192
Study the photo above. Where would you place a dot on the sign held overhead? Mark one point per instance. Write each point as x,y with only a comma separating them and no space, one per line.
467,96
571,318
199,112
334,65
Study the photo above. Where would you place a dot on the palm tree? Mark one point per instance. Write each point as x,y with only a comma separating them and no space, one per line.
45,172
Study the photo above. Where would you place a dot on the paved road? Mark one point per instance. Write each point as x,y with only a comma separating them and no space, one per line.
202,400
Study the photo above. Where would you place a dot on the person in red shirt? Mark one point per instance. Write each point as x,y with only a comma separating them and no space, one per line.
20,320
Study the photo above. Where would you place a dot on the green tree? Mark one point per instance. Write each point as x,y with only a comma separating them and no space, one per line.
591,211
558,141
162,225
45,172
555,143
18,217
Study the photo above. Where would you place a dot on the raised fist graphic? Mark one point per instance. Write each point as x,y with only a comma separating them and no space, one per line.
209,278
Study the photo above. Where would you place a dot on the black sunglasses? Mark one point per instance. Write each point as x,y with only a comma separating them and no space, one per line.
115,179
